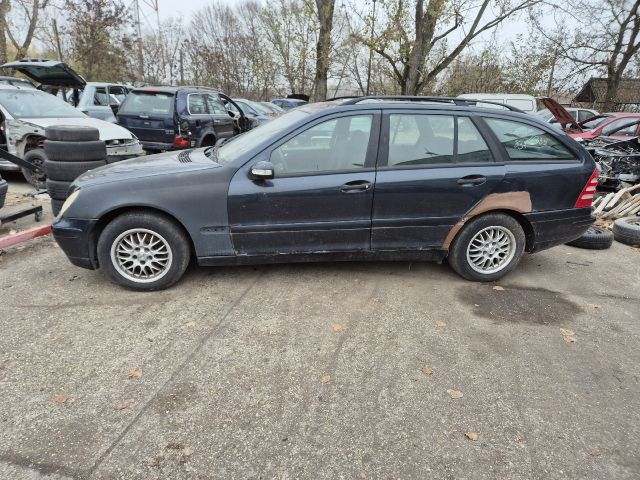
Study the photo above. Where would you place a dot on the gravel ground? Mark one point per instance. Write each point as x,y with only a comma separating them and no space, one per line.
337,370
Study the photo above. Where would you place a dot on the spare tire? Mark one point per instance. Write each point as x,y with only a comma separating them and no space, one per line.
75,151
56,205
69,171
72,133
627,230
595,238
57,189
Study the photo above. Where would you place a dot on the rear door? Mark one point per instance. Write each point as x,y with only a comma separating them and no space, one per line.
149,115
222,121
434,167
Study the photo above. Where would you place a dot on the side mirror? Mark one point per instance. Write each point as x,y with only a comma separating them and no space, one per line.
262,170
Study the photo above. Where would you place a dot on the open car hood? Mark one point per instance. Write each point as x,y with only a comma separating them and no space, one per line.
564,118
48,72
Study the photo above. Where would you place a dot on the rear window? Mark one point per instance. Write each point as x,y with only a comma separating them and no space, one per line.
149,103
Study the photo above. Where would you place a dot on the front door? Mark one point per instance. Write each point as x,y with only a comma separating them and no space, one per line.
321,197
433,168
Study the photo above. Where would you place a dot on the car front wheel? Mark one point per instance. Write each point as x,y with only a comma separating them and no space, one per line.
143,251
487,247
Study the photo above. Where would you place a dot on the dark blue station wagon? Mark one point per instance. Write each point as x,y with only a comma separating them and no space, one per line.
379,178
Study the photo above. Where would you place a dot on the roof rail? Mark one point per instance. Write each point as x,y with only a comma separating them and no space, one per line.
463,102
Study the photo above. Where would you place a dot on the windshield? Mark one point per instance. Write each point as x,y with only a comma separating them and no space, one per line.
36,104
241,144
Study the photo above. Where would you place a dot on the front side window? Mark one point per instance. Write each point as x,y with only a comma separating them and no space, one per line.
419,140
334,145
525,142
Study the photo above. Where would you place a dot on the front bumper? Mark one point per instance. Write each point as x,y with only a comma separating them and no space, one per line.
559,226
124,151
73,235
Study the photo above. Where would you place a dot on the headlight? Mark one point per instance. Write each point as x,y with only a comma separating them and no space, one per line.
67,203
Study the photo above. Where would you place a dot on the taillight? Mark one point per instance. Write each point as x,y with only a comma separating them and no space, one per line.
586,195
180,142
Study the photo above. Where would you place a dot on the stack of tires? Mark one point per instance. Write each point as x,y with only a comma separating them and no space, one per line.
4,186
70,151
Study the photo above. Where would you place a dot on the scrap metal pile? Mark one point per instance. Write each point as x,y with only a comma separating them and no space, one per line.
619,161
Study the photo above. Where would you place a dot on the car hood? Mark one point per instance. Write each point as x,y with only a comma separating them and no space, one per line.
169,163
108,130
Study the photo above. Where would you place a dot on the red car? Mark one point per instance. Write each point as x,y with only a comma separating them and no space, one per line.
621,125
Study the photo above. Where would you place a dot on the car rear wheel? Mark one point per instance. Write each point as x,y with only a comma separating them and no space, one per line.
143,251
487,247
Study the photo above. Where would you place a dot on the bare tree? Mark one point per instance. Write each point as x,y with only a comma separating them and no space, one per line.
323,47
611,45
29,13
416,44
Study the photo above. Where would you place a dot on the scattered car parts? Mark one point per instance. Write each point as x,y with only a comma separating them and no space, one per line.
595,238
627,230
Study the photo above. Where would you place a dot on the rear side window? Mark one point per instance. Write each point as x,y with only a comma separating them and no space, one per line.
430,139
156,103
524,142
197,104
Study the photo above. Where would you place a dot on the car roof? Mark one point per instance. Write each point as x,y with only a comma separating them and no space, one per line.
173,89
623,114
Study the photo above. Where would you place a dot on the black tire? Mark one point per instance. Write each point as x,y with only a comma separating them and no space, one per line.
71,133
56,205
75,151
69,171
627,230
57,189
502,224
4,186
175,240
38,176
595,238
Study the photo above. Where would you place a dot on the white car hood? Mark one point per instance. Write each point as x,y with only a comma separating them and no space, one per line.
108,130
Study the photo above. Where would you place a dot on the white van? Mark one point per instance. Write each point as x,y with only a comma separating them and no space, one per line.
526,103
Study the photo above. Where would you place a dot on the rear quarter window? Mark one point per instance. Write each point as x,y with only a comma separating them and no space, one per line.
525,142
149,103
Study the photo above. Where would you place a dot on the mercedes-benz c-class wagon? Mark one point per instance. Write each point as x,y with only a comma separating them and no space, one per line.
369,178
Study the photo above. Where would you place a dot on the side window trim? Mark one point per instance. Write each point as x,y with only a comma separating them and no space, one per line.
494,146
372,148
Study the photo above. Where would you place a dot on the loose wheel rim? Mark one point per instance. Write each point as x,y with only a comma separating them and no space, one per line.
491,249
141,255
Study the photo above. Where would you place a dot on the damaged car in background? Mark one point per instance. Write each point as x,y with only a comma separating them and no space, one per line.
24,115
611,138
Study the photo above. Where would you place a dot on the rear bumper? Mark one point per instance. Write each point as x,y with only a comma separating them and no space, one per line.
73,237
559,226
157,146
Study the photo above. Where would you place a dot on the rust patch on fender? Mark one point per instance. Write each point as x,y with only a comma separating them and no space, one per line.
517,201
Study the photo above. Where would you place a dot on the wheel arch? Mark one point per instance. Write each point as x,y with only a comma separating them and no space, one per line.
209,134
529,232
105,219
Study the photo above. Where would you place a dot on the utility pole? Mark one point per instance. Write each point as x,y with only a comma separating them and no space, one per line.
373,24
136,5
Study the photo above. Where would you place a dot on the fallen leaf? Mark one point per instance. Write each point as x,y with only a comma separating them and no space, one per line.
410,284
593,305
326,379
498,288
60,399
134,372
476,304
188,451
472,436
455,393
337,327
566,332
124,404
440,324
427,370
569,338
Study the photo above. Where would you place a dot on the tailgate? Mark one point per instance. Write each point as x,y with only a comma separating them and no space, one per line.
148,115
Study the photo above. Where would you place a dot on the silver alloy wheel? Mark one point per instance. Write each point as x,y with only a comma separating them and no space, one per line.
141,255
491,249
